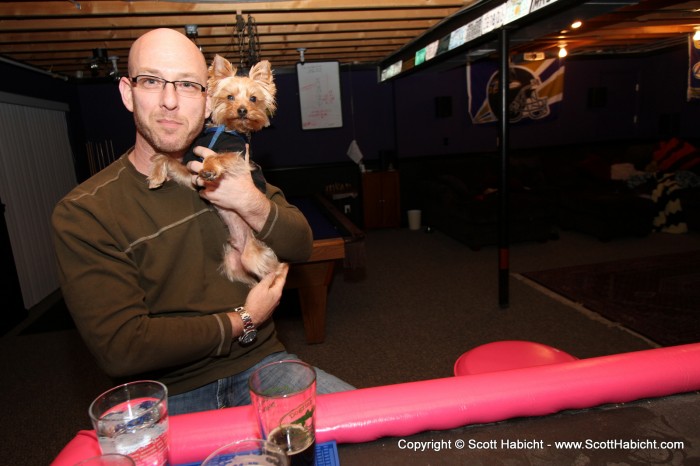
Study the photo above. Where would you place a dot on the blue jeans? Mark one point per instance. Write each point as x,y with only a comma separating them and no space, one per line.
233,390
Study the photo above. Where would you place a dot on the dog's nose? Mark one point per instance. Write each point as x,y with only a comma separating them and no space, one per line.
242,111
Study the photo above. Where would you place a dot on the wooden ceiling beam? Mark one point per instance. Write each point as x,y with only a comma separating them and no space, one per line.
278,59
122,46
63,34
228,17
112,8
21,42
206,31
94,25
66,57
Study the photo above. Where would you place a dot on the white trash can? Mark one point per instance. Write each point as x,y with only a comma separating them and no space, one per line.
414,219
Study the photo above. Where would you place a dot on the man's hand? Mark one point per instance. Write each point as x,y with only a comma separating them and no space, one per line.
262,299
232,192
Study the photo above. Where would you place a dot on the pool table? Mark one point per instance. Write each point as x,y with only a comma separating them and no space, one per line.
333,234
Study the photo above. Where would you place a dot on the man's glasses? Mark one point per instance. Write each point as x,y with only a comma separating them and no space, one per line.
155,84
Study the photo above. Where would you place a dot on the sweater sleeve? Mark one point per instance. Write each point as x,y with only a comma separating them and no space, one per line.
102,288
286,230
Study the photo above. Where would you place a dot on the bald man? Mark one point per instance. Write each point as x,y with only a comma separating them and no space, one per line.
139,268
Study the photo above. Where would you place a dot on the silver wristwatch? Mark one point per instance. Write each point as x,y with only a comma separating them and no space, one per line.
249,332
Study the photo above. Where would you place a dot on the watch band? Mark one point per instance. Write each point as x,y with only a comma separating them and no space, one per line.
249,331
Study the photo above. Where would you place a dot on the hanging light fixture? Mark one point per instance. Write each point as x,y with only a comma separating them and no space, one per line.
114,72
247,40
696,36
99,58
192,31
562,51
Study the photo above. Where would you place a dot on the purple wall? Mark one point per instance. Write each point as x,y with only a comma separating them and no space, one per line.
367,117
399,117
661,98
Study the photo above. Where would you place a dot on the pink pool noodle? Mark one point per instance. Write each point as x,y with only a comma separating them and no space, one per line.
405,409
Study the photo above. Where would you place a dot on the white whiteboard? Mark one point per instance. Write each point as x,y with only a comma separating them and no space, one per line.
319,95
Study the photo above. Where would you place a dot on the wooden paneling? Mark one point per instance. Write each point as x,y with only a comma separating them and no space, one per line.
59,36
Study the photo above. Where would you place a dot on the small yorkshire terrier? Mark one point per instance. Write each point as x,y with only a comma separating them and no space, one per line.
240,105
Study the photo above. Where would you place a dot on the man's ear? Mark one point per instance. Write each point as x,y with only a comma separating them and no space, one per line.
127,93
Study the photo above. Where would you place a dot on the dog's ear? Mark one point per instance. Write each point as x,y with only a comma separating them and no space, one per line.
221,68
261,73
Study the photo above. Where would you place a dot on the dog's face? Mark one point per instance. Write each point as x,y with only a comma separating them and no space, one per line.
242,103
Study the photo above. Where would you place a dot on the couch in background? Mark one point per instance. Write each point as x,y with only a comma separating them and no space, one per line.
591,189
614,190
593,198
464,204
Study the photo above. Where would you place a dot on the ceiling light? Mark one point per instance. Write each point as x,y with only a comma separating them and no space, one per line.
191,31
562,51
696,36
576,24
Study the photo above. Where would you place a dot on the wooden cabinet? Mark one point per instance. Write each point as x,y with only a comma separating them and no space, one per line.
380,199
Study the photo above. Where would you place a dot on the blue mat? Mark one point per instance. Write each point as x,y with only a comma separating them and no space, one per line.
326,455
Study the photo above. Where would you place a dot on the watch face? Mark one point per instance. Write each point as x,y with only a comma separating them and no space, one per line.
248,337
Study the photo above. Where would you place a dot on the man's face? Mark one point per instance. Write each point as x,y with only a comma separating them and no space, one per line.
166,120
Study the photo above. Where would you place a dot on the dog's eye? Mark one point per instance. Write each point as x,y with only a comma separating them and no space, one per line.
253,98
231,97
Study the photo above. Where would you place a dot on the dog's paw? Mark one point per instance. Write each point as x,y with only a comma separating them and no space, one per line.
156,179
210,175
212,168
231,163
159,171
281,268
258,259
154,184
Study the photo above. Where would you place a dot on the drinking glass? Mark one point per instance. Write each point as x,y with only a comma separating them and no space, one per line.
284,396
132,419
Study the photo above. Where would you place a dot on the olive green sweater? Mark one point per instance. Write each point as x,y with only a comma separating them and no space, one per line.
139,272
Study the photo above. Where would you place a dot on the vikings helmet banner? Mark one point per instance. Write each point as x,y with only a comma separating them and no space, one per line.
535,90
693,68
